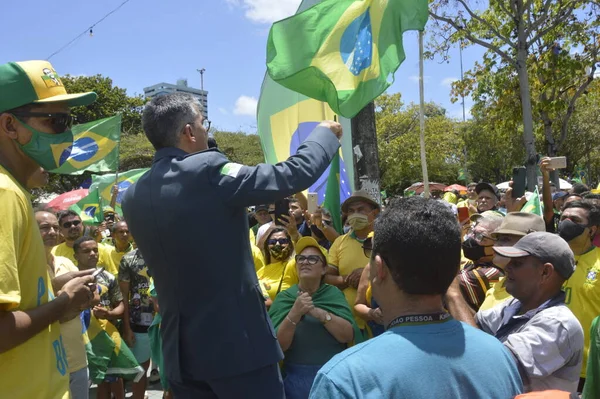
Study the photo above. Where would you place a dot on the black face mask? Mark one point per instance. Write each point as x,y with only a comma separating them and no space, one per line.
569,230
472,250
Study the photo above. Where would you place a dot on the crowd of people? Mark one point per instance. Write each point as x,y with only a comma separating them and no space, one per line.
407,301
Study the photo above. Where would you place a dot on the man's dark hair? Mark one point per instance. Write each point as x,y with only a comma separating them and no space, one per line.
588,205
64,214
419,239
591,195
79,241
579,188
212,143
114,226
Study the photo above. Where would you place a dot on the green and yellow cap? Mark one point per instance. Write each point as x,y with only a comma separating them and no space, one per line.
27,82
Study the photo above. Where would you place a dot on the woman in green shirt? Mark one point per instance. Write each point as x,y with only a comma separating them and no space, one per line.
312,320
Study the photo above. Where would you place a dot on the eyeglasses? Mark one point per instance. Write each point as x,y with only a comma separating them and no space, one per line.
368,247
281,241
60,121
479,236
206,124
68,225
310,259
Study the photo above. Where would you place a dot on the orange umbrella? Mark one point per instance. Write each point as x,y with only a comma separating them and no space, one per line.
457,187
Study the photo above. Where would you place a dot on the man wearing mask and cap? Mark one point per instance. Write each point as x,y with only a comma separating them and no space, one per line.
479,273
578,225
35,130
346,256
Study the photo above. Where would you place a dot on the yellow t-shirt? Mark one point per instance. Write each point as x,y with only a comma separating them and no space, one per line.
71,330
104,256
583,295
116,256
495,295
347,255
273,273
37,367
257,256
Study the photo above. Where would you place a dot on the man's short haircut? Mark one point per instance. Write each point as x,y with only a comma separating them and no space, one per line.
79,241
579,188
64,214
419,239
472,184
593,210
114,226
165,116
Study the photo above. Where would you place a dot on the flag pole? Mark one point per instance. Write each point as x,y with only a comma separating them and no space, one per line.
422,116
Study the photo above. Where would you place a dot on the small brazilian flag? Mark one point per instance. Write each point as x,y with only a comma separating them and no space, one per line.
534,204
343,52
332,194
104,184
94,148
89,208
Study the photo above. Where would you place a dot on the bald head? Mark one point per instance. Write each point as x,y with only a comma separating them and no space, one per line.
48,225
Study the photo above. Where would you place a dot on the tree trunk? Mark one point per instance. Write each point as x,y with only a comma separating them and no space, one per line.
528,137
366,167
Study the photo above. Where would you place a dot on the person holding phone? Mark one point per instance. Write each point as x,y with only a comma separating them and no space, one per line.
200,197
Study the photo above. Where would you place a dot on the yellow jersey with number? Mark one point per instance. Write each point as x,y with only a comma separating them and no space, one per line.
38,367
583,295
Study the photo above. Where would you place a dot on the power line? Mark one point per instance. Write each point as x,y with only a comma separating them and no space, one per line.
90,29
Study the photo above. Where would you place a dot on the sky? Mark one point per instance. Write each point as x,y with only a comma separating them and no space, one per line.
153,41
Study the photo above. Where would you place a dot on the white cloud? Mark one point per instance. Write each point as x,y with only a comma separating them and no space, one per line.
415,78
245,105
266,11
223,111
447,82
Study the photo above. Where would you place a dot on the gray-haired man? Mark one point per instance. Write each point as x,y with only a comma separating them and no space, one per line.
217,337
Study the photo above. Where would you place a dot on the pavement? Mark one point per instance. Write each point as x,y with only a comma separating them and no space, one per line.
154,391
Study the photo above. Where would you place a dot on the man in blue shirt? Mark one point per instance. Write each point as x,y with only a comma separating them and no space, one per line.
424,353
188,217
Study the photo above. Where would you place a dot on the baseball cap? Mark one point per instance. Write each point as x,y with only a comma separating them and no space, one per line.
261,208
547,247
487,186
27,82
559,195
520,224
306,242
359,195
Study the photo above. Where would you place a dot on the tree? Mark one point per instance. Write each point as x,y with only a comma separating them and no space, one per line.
518,36
111,100
398,141
240,147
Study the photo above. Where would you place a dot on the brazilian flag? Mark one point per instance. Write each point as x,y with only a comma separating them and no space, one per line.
332,196
89,208
534,205
95,148
104,184
343,52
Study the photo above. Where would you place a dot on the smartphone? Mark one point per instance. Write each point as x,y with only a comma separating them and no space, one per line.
558,163
97,272
282,207
519,182
463,214
313,202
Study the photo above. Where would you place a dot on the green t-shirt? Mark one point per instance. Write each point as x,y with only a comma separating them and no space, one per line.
592,380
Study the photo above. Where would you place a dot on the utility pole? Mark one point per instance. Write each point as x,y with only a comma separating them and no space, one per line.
467,177
366,154
201,78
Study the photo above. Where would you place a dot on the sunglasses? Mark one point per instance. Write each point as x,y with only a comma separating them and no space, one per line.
68,225
60,121
310,259
368,247
281,241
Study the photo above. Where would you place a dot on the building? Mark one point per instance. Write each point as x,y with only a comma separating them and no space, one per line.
181,86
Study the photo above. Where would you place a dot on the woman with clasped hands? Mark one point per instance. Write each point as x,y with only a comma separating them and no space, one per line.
312,320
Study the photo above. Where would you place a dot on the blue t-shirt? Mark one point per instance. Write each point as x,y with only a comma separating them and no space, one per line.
441,360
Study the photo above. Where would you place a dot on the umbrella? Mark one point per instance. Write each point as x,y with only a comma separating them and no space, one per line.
418,188
457,187
64,201
564,185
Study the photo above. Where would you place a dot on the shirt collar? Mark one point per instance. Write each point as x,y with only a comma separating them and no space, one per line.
510,312
170,152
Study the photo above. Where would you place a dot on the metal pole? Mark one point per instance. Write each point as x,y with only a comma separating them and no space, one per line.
201,78
422,116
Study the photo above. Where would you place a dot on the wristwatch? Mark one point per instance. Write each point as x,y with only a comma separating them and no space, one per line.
327,318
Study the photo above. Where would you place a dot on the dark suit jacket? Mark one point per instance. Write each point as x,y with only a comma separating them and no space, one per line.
188,217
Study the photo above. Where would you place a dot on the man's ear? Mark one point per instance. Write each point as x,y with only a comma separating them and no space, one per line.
8,125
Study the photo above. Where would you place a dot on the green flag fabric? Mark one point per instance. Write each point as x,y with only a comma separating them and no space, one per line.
105,183
286,118
534,205
89,208
332,194
343,52
95,148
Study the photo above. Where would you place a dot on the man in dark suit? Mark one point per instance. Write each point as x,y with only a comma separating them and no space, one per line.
188,217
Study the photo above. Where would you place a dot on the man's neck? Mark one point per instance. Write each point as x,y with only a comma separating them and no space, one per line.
585,250
21,168
69,243
535,301
401,304
121,247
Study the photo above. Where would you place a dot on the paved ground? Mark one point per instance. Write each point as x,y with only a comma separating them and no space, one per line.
154,391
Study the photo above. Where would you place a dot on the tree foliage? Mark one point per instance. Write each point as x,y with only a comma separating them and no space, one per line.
240,147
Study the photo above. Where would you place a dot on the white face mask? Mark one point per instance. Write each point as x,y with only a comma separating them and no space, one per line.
346,229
